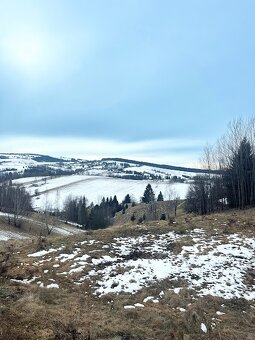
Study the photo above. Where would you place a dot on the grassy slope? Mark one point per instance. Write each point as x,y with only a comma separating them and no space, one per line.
36,224
73,312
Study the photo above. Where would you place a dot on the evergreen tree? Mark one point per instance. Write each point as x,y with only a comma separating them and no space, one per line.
115,205
148,195
238,177
234,184
133,217
82,212
160,197
198,196
127,199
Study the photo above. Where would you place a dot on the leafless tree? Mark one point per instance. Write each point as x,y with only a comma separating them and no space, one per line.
234,158
46,217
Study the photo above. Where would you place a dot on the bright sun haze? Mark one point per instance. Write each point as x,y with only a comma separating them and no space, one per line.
25,52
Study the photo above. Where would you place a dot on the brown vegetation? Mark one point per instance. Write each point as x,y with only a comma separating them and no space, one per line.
73,312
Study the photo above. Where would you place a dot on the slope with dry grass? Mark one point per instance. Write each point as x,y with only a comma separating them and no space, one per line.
150,281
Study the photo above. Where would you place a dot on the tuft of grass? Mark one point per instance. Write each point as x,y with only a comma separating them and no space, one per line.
180,230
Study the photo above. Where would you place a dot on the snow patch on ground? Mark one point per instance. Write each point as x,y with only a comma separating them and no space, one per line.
203,327
11,235
211,266
41,253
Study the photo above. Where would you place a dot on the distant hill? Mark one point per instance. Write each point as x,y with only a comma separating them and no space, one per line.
16,165
93,178
48,159
161,166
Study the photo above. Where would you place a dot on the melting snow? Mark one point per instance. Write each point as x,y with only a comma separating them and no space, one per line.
148,298
215,266
129,307
139,305
181,309
25,281
219,313
42,253
52,285
11,235
203,327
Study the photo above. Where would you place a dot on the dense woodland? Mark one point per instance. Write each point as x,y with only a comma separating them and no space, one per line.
234,186
94,216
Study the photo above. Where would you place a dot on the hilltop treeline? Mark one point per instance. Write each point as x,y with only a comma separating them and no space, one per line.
234,185
44,170
35,171
93,216
161,166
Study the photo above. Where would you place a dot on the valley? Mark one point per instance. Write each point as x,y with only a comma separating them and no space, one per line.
155,272
93,179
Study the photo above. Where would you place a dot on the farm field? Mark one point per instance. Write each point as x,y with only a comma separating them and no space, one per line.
53,192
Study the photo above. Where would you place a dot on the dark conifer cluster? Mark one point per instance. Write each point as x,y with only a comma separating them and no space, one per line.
234,186
149,195
93,216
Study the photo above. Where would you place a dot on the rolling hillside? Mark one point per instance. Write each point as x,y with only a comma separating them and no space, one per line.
51,180
134,282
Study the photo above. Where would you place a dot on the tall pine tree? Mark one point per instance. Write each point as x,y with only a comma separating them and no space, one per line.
238,177
148,195
160,197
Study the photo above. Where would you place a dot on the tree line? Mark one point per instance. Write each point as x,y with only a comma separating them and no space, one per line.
93,216
34,171
101,215
233,186
15,200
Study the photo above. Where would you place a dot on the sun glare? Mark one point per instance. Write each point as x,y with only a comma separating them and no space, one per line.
26,52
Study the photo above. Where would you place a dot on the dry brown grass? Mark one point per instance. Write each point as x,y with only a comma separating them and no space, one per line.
37,313
151,212
73,312
41,320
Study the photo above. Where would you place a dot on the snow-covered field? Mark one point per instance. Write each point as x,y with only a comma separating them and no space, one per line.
159,171
93,179
20,162
13,234
215,265
17,162
52,192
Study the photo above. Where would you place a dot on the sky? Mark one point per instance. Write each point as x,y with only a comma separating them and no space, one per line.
152,80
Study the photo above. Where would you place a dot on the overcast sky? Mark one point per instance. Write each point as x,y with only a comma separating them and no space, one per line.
152,80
